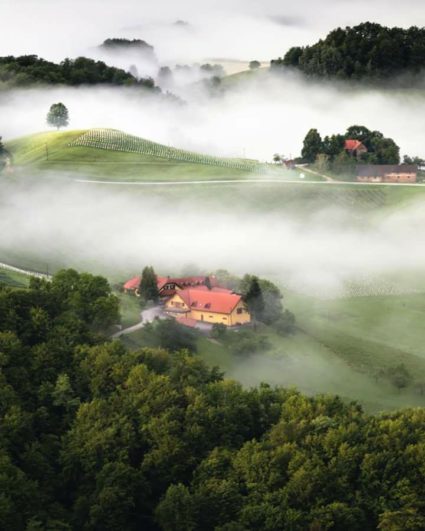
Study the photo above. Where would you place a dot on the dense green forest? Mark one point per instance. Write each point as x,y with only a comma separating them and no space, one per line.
30,69
365,51
94,437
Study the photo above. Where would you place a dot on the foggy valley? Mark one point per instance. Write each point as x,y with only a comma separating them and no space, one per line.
212,265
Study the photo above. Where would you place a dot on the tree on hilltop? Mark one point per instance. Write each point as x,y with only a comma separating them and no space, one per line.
58,116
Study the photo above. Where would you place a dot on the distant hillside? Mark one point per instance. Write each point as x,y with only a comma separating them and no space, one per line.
134,46
126,44
109,154
28,70
367,51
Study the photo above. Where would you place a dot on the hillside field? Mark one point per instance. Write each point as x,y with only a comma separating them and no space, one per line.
106,154
342,346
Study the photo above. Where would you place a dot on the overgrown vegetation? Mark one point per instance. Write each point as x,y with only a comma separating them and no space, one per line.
96,437
367,51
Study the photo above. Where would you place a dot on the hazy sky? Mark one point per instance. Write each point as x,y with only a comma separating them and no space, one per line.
257,120
241,29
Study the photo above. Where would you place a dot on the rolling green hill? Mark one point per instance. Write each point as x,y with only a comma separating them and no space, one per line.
114,155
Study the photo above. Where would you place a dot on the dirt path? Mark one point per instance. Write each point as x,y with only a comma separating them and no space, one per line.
146,316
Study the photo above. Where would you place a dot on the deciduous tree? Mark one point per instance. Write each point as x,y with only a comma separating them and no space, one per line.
58,116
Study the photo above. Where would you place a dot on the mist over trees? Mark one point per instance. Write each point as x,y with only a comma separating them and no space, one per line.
367,51
331,150
264,301
29,70
97,437
118,43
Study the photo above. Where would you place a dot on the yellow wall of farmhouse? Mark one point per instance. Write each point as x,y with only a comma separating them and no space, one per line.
239,315
240,318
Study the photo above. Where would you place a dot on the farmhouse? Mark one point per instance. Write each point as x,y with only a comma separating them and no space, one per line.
355,148
374,173
168,286
216,305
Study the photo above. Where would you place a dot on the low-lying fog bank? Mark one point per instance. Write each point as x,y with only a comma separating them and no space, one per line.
255,118
119,231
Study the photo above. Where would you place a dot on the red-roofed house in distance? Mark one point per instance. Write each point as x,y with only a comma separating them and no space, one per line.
355,148
168,286
216,305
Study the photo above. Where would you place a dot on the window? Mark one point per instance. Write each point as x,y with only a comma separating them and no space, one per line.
239,311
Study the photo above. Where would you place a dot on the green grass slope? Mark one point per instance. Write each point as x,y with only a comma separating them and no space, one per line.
13,279
108,154
335,350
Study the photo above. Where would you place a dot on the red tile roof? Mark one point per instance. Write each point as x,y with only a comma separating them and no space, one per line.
195,281
186,281
352,145
210,300
133,283
213,289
